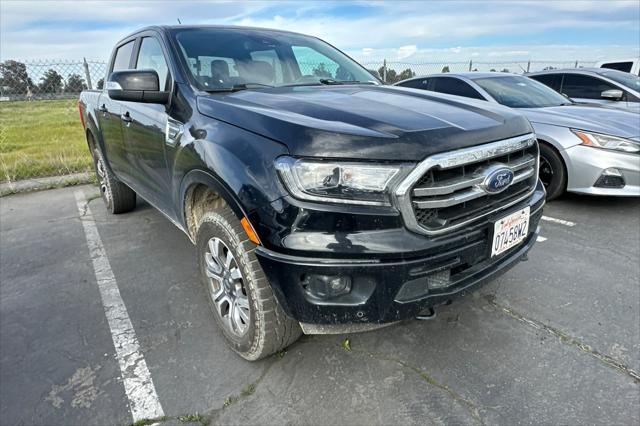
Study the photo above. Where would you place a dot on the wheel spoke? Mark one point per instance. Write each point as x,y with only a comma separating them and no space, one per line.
243,302
243,313
214,248
228,259
236,274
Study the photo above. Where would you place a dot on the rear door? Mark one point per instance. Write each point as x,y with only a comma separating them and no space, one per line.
144,128
454,86
108,114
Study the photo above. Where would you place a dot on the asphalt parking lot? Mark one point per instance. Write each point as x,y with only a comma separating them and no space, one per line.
556,340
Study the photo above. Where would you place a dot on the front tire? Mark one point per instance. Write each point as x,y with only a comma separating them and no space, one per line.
552,172
117,197
241,299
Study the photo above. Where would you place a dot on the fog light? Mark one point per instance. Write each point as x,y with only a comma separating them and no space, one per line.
610,178
326,286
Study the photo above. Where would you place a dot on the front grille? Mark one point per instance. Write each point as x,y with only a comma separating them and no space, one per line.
448,193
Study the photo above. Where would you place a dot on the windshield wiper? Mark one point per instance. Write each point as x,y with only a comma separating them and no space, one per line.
330,81
237,87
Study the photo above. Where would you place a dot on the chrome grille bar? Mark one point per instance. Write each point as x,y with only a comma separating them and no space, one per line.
451,185
460,189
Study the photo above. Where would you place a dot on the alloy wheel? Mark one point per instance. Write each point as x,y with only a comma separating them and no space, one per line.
227,288
546,171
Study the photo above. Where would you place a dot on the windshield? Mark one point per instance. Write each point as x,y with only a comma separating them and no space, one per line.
220,58
626,79
521,92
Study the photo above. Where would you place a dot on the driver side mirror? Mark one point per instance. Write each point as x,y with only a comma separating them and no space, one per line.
612,95
136,86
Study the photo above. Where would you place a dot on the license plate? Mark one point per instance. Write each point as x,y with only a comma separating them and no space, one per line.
510,231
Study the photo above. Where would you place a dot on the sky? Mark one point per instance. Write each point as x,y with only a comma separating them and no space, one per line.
411,31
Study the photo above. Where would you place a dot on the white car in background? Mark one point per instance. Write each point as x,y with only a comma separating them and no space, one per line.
584,148
627,65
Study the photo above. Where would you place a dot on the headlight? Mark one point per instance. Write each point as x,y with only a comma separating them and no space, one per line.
340,182
598,140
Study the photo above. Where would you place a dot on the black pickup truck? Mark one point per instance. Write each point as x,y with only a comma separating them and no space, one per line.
319,199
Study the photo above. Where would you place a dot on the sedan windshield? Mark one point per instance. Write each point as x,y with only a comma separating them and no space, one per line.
231,58
521,92
626,79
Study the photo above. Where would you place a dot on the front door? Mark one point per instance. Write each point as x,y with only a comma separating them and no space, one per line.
144,128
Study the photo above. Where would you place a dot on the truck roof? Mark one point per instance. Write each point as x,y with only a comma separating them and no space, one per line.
167,28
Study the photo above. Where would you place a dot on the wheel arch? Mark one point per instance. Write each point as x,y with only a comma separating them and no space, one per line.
199,191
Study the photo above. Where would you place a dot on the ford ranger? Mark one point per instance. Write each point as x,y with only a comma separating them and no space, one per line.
319,200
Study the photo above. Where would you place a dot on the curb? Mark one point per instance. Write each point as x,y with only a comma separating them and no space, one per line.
39,184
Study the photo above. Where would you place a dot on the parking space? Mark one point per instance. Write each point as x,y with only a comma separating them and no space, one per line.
555,340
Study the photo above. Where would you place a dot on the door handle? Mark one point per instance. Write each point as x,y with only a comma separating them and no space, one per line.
126,117
103,108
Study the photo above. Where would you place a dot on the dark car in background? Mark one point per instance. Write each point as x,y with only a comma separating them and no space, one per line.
318,199
584,148
612,88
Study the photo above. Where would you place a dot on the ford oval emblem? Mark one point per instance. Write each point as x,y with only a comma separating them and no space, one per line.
497,180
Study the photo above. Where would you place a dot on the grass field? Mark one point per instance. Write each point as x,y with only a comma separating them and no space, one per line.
41,138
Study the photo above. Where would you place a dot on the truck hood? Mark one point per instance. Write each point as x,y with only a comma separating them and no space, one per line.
592,118
364,121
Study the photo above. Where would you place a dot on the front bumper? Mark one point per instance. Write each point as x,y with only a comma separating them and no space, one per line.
378,278
586,164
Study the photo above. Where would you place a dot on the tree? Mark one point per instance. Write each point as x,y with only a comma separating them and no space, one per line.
51,82
100,84
408,73
14,77
75,84
321,71
445,68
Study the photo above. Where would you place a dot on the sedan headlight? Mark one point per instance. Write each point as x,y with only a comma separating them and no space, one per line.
340,182
598,140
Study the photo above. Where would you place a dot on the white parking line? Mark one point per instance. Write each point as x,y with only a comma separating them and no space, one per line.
559,221
138,385
541,239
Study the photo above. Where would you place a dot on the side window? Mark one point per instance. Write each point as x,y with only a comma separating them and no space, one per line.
152,57
123,56
312,62
551,80
453,86
584,86
419,83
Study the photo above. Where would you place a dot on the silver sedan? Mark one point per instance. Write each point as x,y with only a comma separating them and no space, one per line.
587,149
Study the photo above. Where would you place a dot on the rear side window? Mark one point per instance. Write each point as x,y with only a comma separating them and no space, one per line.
453,86
620,66
123,57
151,57
420,83
551,80
584,86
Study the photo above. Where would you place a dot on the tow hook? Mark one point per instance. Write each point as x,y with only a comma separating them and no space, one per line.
426,314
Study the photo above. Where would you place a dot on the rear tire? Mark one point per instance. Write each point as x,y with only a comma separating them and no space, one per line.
241,299
117,197
552,172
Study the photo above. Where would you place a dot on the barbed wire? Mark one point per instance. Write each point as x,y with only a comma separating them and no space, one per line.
60,79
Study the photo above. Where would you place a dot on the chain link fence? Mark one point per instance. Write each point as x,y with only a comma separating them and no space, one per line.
64,79
49,79
394,71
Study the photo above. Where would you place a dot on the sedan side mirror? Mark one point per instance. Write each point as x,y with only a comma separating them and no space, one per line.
136,86
612,95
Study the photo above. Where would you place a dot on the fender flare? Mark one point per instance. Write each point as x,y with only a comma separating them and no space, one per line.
202,177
